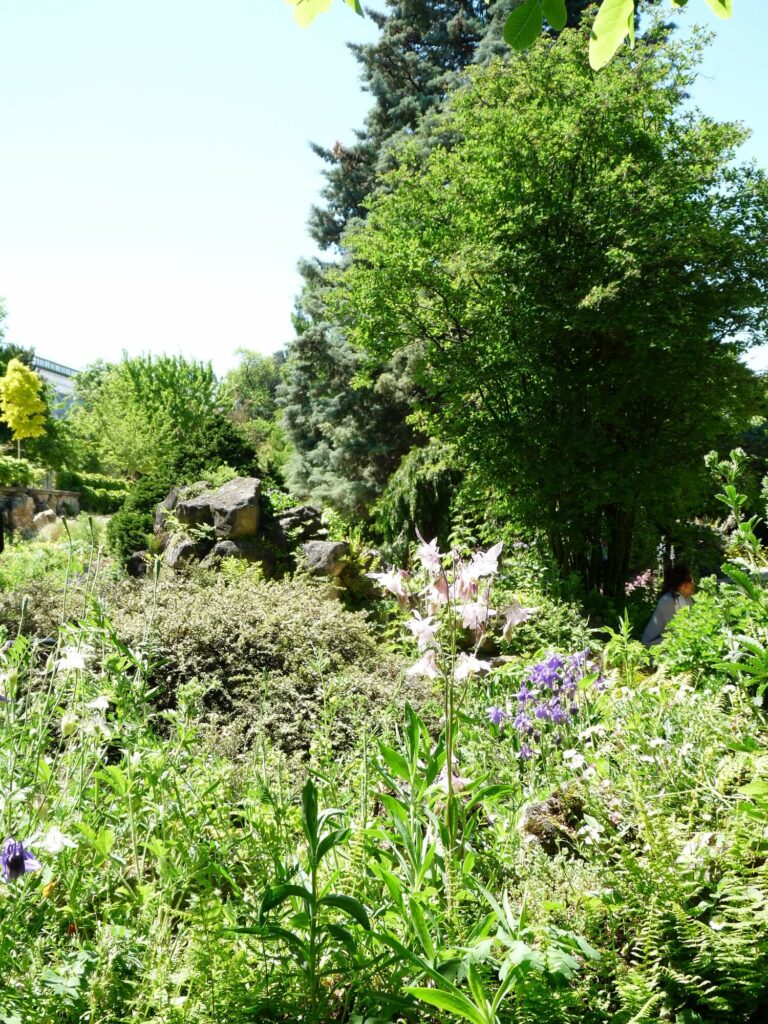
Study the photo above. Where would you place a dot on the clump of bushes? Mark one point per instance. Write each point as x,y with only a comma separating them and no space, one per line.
270,653
100,494
17,472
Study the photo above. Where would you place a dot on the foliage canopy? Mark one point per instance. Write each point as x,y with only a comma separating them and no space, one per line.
580,271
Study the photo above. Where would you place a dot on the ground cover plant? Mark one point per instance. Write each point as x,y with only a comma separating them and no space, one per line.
552,835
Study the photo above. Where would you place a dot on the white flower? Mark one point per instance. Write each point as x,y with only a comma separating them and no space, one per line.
101,703
474,615
68,724
516,615
54,841
393,582
425,666
485,563
574,759
71,660
468,664
423,629
429,555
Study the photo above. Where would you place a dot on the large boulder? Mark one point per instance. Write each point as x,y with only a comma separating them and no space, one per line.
232,510
249,550
21,513
326,557
168,504
182,550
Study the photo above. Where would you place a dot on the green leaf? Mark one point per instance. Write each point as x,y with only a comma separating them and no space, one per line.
614,22
356,6
396,763
755,789
454,1002
523,25
279,894
309,812
420,927
343,936
555,13
722,8
341,835
349,906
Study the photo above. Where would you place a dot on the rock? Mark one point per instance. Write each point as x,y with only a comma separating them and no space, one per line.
326,557
21,513
553,822
44,518
235,508
182,550
168,504
232,509
302,523
247,549
138,564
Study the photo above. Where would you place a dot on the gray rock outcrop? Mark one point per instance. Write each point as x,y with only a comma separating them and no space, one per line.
326,557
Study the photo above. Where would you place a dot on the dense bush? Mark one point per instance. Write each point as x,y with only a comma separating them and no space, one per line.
17,472
250,644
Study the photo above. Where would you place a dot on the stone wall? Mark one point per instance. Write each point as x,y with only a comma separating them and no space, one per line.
20,505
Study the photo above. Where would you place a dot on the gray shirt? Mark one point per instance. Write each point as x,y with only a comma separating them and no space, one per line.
669,605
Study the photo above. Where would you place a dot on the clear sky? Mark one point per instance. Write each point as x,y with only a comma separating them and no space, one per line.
156,177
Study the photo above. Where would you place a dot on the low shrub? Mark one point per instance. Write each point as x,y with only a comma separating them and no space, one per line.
17,472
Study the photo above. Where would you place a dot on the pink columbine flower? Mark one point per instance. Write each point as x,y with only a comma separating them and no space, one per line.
429,555
474,615
425,666
394,582
423,629
468,665
516,615
485,563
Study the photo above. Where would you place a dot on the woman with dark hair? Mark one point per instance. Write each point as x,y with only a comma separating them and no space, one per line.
676,593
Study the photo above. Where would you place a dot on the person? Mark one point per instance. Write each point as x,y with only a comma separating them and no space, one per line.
676,593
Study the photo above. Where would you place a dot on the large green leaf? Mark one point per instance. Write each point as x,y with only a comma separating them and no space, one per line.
523,25
395,761
614,22
454,1002
279,894
309,812
555,13
722,8
349,906
355,5
341,835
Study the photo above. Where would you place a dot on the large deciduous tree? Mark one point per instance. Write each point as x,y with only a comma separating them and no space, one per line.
582,270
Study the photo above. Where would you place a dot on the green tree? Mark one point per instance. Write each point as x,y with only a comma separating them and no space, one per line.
582,270
131,416
22,406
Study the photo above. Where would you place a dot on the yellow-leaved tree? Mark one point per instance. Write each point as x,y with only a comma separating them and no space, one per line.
22,407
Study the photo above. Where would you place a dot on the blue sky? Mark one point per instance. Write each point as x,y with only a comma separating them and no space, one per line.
156,177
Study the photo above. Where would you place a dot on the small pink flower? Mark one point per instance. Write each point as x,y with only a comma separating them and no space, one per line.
425,666
423,629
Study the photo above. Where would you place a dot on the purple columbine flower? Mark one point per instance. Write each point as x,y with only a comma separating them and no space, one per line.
557,713
574,709
496,715
524,694
522,723
525,753
16,861
542,712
